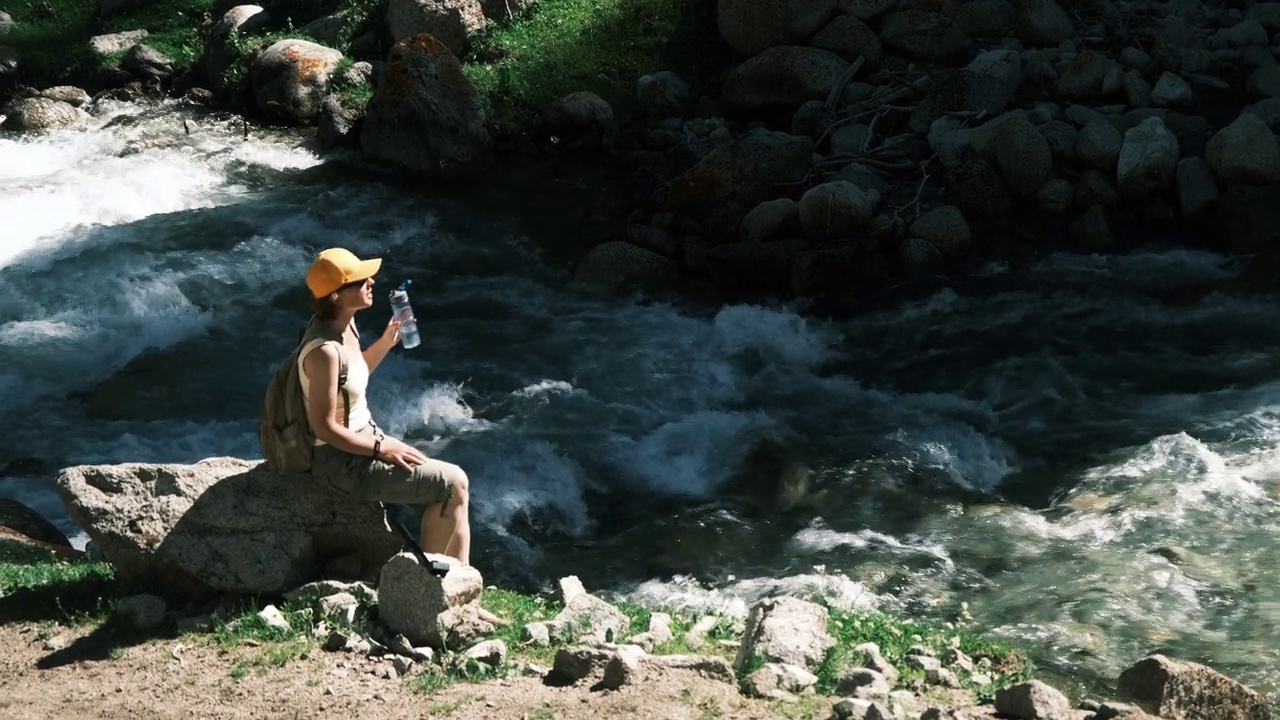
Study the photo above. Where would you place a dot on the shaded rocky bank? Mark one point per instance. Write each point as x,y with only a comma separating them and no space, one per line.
835,149
189,541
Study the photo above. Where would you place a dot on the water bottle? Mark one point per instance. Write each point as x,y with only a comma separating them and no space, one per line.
401,309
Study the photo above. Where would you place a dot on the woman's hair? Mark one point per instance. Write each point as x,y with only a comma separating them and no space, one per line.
325,308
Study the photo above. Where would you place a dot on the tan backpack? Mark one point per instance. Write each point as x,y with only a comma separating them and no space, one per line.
283,428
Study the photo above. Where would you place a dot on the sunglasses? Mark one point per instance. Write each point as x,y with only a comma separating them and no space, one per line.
353,284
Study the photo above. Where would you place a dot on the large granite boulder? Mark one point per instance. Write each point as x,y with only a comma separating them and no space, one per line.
451,22
222,525
290,79
1179,690
786,630
425,115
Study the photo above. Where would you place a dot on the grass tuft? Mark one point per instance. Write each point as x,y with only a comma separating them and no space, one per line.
75,593
563,46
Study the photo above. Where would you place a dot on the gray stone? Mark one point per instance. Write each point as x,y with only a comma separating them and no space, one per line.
1033,701
770,219
1265,82
71,95
924,34
1197,187
786,630
1245,151
1024,156
1170,91
426,114
663,94
782,78
752,26
580,120
112,43
1098,145
488,652
774,679
146,62
441,613
144,612
222,525
451,22
863,683
850,38
1043,23
836,209
6,23
623,668
945,227
1148,160
743,171
290,79
1092,232
1180,690
1268,110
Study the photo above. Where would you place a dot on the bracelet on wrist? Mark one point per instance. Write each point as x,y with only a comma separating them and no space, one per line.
377,448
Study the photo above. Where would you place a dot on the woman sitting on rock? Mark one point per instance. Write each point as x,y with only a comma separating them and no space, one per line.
352,453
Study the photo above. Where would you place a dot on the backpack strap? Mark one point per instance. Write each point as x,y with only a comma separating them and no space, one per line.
342,366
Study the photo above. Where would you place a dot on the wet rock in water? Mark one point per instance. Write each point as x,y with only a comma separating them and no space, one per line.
338,125
73,96
1177,689
39,113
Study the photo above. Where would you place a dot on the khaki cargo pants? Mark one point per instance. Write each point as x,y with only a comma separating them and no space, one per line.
375,480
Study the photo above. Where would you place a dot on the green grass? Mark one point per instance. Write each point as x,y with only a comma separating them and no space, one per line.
75,593
52,36
563,46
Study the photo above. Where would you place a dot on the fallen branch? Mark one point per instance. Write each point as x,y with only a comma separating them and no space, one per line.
845,78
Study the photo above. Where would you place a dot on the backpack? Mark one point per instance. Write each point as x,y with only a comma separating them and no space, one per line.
283,428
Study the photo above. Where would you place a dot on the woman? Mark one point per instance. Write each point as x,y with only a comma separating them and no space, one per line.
351,452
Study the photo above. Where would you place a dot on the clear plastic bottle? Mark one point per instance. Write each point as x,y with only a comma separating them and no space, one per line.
401,308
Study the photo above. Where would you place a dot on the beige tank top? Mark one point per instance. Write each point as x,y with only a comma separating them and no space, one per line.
357,384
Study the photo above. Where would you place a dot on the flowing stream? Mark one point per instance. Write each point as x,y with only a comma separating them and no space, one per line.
1041,443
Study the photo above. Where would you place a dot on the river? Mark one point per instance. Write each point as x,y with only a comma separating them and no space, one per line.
1036,442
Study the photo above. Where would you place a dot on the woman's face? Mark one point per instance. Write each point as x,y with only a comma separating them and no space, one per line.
357,295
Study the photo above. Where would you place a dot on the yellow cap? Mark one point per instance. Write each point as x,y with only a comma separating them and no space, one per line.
336,267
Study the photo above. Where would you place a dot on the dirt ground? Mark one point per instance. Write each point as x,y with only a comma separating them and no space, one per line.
49,671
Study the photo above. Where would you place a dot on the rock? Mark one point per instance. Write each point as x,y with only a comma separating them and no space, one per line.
924,34
753,26
580,120
1098,145
946,228
865,9
1268,110
992,80
1244,152
617,263
488,652
863,683
1179,690
987,18
782,78
1084,77
773,680
1265,82
9,64
1170,91
770,219
338,125
73,96
978,189
1043,23
1137,91
1023,155
222,525
290,79
39,113
440,613
112,43
786,630
1134,58
1196,185
742,171
425,115
272,616
332,30
1055,196
1148,159
146,62
143,612
836,209
875,661
219,50
623,668
591,618
23,530
573,664
6,23
339,605
450,22
856,709
1249,218
1092,231
1033,701
663,94
311,593
850,38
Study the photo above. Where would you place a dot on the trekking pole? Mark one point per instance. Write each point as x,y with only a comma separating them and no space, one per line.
435,567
